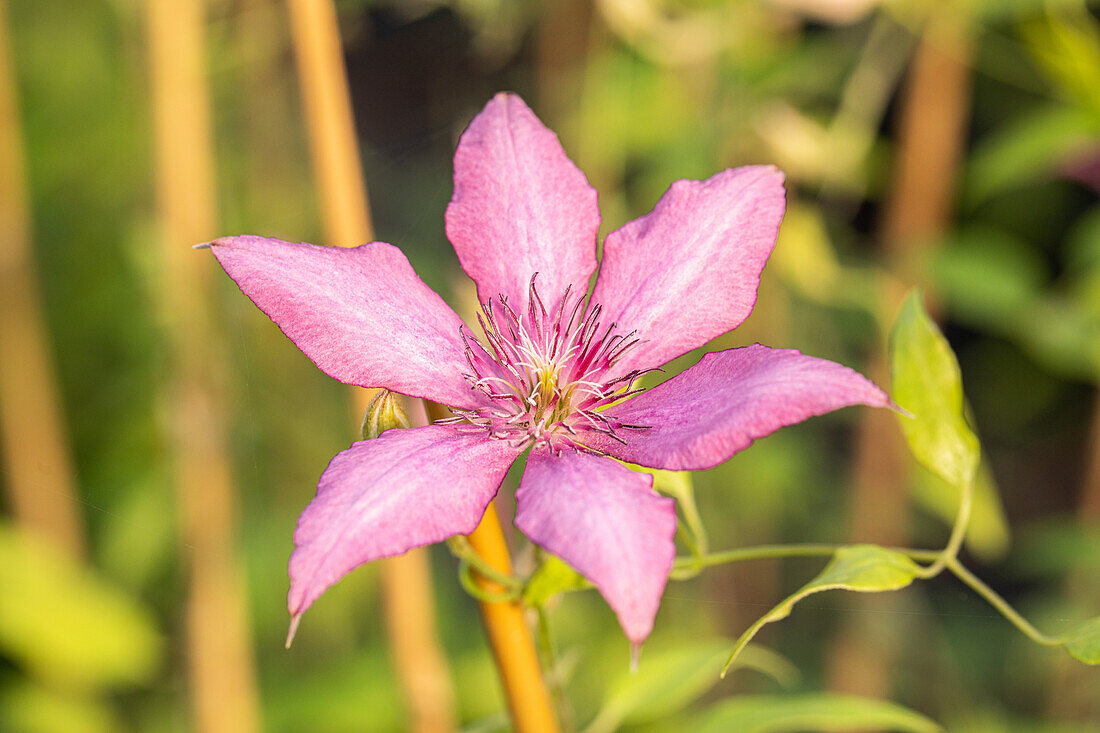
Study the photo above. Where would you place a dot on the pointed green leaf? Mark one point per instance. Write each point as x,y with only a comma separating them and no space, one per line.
66,624
817,712
665,681
670,678
1066,45
988,278
865,568
1028,147
1084,641
861,568
927,383
770,663
553,576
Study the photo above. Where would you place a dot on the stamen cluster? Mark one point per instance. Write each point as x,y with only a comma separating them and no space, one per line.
545,376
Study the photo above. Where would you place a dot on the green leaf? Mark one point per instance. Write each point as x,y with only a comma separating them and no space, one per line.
865,568
29,708
1061,336
668,679
927,383
665,682
339,691
804,257
679,486
1030,147
861,568
137,550
67,625
1066,44
676,484
767,662
1059,546
553,576
988,278
817,712
1008,10
1084,641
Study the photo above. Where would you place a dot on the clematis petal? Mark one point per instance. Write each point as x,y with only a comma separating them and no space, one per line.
382,497
716,408
607,522
361,314
520,207
689,270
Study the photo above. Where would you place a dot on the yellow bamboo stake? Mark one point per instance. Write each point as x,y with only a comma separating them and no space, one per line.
220,665
510,637
931,135
345,213
39,470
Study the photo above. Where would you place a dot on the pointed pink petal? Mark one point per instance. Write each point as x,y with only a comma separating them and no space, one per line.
382,497
520,206
607,522
716,408
688,271
361,314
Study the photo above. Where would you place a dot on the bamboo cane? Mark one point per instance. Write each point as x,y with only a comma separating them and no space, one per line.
39,470
510,637
934,110
220,665
345,213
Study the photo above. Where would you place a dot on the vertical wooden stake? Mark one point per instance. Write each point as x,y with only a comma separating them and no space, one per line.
934,111
220,665
39,471
345,213
510,637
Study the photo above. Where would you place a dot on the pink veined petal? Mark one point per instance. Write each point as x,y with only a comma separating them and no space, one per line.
361,314
382,497
718,407
520,206
688,271
607,522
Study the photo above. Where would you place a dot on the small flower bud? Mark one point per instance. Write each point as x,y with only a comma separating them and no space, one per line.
384,412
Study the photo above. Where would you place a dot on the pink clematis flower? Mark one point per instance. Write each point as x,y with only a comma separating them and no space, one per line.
549,372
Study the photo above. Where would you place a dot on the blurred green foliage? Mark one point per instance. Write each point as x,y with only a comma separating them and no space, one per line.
821,712
641,93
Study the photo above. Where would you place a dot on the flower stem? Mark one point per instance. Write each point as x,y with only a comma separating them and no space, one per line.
461,548
509,636
958,532
699,544
688,567
994,599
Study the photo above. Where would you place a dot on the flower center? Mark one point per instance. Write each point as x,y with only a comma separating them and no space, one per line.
545,376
